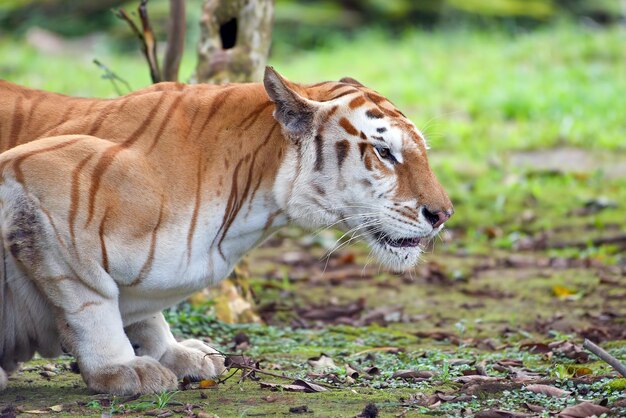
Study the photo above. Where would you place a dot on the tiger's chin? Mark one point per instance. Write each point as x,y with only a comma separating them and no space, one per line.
397,254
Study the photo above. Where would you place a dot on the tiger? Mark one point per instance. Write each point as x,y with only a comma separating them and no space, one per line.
112,210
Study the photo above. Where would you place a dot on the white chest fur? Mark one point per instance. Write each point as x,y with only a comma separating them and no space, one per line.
179,269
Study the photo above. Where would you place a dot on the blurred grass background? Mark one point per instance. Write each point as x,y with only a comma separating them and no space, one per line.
484,79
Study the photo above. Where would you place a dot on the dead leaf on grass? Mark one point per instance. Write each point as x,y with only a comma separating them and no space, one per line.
413,374
321,362
352,372
535,348
583,410
475,378
207,384
548,390
570,350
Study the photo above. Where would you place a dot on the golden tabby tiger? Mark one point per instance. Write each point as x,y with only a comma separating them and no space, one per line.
120,208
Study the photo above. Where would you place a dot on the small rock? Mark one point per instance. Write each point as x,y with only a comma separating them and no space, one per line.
47,374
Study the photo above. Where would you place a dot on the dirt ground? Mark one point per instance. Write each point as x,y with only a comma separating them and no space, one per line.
485,335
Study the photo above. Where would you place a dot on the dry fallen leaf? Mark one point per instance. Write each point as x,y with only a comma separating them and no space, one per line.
413,374
206,384
56,408
548,390
563,292
475,378
321,362
583,410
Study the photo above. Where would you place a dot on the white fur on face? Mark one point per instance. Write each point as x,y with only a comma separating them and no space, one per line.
346,195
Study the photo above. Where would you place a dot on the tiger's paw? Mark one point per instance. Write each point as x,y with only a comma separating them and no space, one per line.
142,375
193,359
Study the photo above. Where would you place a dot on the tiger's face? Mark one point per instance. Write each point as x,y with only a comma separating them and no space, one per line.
358,164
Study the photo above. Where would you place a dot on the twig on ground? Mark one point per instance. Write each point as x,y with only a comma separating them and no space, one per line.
112,77
248,367
606,357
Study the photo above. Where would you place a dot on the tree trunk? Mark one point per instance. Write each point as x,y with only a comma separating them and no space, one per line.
234,41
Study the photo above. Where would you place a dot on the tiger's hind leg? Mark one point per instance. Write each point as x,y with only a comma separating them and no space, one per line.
190,358
83,296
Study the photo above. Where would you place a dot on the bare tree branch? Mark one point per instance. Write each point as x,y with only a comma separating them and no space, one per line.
149,42
146,37
175,40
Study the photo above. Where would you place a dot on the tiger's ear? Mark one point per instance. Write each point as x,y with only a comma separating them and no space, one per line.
350,80
293,112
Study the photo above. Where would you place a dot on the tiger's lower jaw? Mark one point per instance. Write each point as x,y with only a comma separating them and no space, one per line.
396,257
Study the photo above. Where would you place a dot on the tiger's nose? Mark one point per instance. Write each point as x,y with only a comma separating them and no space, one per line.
436,219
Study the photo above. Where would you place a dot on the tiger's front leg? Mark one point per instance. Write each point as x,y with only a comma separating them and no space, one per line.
190,358
82,297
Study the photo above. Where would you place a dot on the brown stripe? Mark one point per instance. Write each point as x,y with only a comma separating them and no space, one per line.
249,120
319,189
362,148
18,121
147,265
345,93
319,152
368,163
196,209
19,175
168,116
376,98
337,87
51,132
235,202
75,196
103,245
110,109
348,127
216,104
374,114
342,148
109,155
356,102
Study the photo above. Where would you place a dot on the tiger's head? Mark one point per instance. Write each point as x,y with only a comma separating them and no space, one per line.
357,163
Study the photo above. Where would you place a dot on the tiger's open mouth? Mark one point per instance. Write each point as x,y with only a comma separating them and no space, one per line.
381,237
